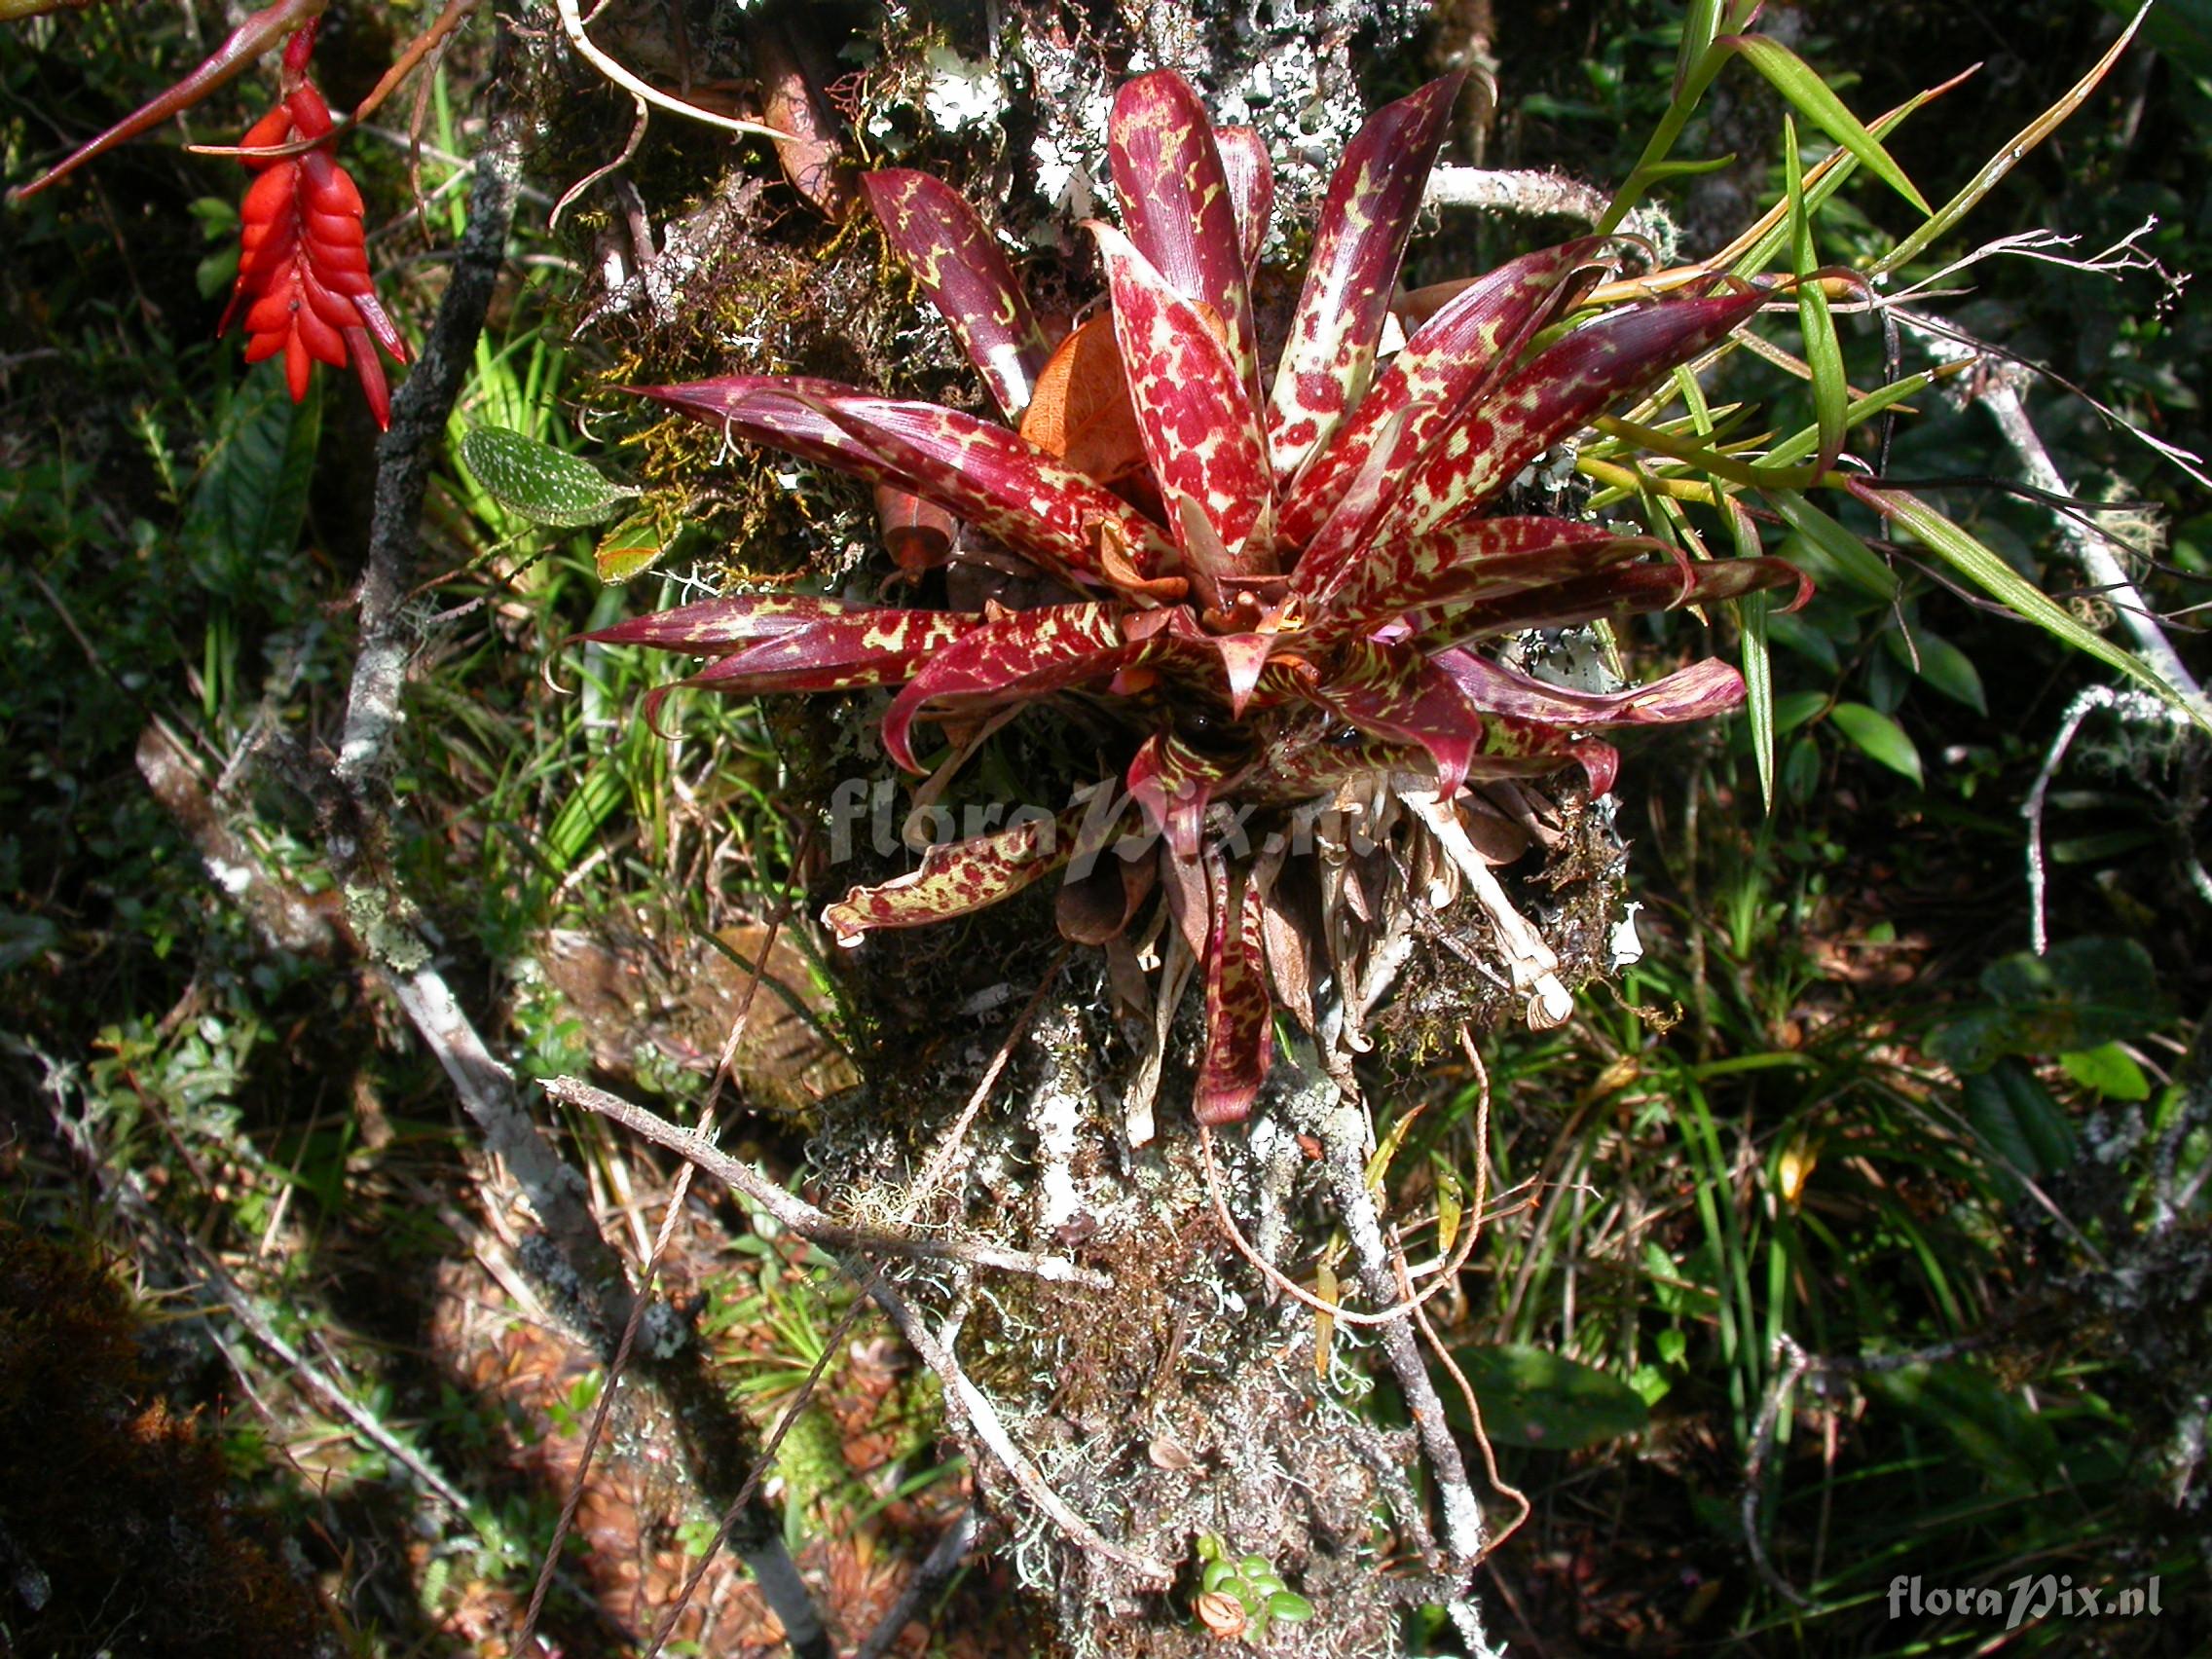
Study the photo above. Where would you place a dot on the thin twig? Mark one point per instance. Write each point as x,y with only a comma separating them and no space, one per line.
800,1216
573,24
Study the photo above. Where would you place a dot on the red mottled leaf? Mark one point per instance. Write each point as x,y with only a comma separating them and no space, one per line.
1027,655
957,879
997,481
1701,692
1315,764
1638,589
892,645
1251,187
1394,693
1449,362
1177,207
1081,410
1485,559
1240,1018
714,626
782,412
1559,394
966,276
1173,783
1201,432
1374,198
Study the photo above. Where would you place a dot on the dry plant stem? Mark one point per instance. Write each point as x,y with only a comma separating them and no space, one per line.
356,831
404,457
801,1217
1544,195
940,1565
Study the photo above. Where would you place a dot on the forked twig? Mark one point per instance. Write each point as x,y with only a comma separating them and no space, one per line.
800,1216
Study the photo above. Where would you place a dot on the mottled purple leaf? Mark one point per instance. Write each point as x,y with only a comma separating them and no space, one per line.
1635,588
1447,366
1557,394
713,626
1485,559
1394,693
1024,655
998,481
959,879
1178,210
782,412
1373,201
1251,187
1200,433
1701,692
1173,783
1240,1018
952,256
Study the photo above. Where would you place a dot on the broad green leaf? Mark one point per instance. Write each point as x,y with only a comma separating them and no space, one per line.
2013,1444
1879,738
1793,709
1791,77
1995,577
251,499
538,482
1287,1607
1941,664
1834,551
2018,1122
1536,1398
2110,1070
2080,994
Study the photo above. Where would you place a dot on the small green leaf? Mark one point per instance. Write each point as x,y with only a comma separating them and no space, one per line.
1532,1397
1879,738
2110,1070
538,482
1791,77
2018,1123
1941,664
1289,1607
630,549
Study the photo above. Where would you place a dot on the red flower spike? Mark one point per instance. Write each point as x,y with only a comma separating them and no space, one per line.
1278,600
303,281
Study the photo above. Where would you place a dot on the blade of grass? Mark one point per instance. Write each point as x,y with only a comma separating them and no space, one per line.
2008,157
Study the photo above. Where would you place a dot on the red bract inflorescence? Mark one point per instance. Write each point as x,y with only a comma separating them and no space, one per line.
302,283
1272,590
